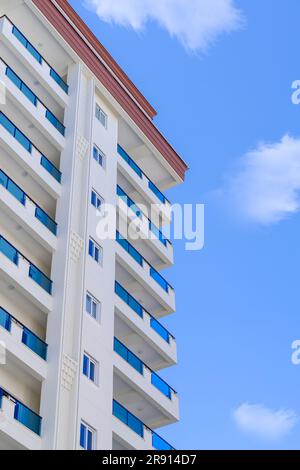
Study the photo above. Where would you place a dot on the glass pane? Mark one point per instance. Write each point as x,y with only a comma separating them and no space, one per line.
51,168
5,319
160,444
161,385
59,80
160,329
27,417
82,435
34,343
85,365
88,304
46,220
9,251
40,278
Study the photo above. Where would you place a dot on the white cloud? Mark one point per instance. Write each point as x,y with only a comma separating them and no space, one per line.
266,187
264,422
195,23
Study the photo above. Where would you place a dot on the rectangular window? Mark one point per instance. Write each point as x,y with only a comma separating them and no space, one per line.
87,437
99,156
96,200
101,116
95,251
93,307
90,368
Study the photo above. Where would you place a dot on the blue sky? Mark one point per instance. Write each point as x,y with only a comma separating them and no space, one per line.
238,298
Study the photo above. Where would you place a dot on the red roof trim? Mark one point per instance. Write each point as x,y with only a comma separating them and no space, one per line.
82,49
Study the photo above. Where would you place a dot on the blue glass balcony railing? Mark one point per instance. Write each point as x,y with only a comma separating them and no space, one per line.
130,162
159,443
132,205
141,261
22,197
34,273
160,330
44,218
34,343
140,311
128,418
17,33
40,278
129,248
51,168
140,173
140,366
129,202
14,78
55,122
15,132
157,192
5,319
59,81
134,423
30,340
21,85
128,356
23,414
12,188
9,251
33,51
27,144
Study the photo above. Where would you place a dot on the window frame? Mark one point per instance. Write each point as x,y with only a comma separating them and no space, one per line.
95,246
102,154
100,112
98,197
86,428
95,302
88,360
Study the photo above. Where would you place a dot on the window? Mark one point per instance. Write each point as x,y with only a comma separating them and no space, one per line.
96,200
92,307
90,368
95,251
101,116
87,437
99,156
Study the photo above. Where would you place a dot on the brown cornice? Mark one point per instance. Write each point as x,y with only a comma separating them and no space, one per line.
107,75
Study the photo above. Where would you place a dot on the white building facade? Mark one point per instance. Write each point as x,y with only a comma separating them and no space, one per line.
81,328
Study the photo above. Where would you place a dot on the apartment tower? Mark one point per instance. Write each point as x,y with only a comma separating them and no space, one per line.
81,317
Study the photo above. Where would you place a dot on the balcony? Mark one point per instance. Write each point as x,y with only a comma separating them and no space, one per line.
143,369
28,338
14,409
148,190
21,96
142,280
137,308
14,256
26,201
20,146
16,41
148,439
150,234
144,263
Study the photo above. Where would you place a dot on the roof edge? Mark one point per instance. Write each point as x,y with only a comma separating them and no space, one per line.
107,58
51,10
